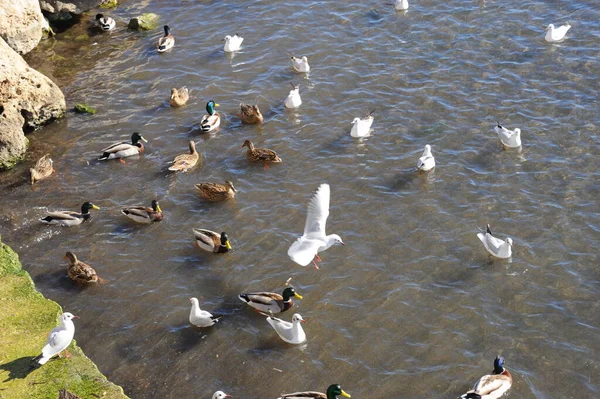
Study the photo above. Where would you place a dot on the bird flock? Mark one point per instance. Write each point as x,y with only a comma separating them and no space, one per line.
304,251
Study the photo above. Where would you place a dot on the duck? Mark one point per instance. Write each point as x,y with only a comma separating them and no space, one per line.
554,35
105,23
69,218
401,5
271,302
183,162
59,339
263,155
426,162
43,168
220,395
292,333
144,214
79,271
293,99
166,42
124,149
211,241
496,247
332,393
491,386
232,43
508,138
300,64
212,120
362,127
250,114
179,97
201,318
215,192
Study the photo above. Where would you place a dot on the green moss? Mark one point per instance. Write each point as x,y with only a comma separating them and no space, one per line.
25,321
84,109
82,38
9,163
146,21
109,4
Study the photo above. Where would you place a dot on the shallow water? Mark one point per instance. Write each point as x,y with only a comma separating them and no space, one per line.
412,305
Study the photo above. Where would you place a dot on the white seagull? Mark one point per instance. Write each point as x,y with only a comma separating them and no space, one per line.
554,35
220,395
293,99
292,333
362,127
427,161
401,5
300,64
509,138
59,339
314,240
232,43
495,246
201,318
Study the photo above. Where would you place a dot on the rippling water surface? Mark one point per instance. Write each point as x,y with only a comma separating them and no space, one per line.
412,306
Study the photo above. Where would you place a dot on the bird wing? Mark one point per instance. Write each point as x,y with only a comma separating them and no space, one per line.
493,242
489,383
266,298
318,211
57,341
140,211
282,327
64,215
117,147
303,250
304,395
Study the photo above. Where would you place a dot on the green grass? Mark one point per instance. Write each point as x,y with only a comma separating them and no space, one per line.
26,318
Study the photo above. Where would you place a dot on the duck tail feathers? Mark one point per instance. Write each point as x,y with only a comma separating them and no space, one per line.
471,395
244,298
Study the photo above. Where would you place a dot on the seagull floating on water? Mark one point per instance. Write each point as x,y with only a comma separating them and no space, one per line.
232,43
201,318
293,99
220,395
59,339
314,240
427,161
495,246
509,138
300,64
491,386
362,127
401,5
292,333
554,35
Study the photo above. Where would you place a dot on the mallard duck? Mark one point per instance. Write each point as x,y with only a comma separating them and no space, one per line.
426,162
250,114
59,339
144,214
554,35
271,302
300,64
263,155
220,395
292,333
232,43
124,149
183,162
293,99
362,127
105,23
43,168
216,191
166,42
69,218
491,386
179,97
212,120
211,241
508,138
495,246
332,392
401,5
201,318
79,271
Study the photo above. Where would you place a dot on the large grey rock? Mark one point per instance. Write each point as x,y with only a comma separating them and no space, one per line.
28,99
71,6
146,21
21,23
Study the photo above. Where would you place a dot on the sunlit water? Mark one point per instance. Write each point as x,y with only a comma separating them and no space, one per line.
412,306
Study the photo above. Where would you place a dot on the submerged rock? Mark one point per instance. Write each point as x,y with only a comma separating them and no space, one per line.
84,109
147,21
21,23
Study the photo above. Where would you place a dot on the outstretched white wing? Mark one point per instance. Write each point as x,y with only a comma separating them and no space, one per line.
303,250
318,210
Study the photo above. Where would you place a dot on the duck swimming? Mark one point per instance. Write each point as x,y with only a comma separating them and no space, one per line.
166,42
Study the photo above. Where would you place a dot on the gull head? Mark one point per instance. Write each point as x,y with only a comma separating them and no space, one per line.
296,318
194,301
509,241
335,239
551,27
518,132
220,395
67,316
355,121
227,39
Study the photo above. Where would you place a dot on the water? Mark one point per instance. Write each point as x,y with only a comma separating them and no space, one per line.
412,306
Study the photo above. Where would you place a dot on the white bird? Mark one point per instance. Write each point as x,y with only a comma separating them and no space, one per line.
220,395
495,246
362,127
427,161
306,248
292,333
201,318
401,5
509,138
232,43
554,35
105,23
293,99
59,339
300,64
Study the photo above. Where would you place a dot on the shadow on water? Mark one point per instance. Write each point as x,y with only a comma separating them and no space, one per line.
18,368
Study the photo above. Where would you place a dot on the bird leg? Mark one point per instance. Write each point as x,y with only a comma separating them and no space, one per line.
266,165
122,161
315,263
318,257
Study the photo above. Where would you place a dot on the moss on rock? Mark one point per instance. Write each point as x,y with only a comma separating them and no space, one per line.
25,321
109,4
146,21
84,109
